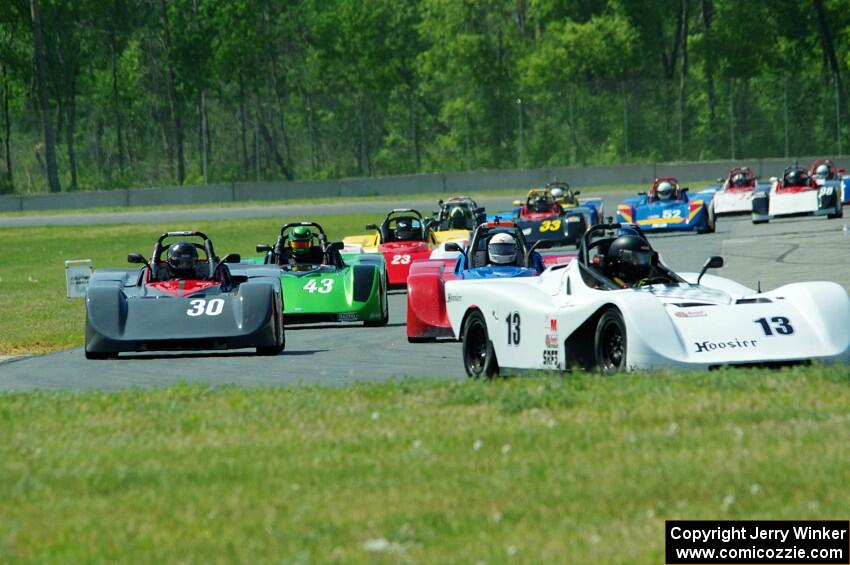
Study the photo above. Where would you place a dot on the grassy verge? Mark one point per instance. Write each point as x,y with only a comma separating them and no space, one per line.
514,192
581,469
38,318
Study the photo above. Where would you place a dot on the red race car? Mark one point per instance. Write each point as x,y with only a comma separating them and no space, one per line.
482,259
539,205
402,238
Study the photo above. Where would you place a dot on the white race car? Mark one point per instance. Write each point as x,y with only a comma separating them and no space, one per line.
735,193
796,193
581,314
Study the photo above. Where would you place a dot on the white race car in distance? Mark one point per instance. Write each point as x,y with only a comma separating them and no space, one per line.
576,315
796,193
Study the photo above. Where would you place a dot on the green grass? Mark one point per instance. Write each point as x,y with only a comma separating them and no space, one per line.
580,469
517,192
37,317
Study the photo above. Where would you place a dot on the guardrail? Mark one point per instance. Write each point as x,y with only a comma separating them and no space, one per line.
457,182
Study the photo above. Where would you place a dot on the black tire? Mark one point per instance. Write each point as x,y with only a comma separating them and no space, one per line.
385,308
100,356
280,338
421,339
609,343
756,222
479,358
839,214
710,222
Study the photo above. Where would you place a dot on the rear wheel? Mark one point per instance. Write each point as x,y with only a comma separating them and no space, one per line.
610,342
479,358
385,308
838,214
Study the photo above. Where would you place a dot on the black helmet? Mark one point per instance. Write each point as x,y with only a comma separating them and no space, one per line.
404,230
795,177
630,258
182,259
540,204
457,219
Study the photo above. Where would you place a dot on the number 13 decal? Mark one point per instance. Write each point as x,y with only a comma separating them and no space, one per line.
513,321
781,325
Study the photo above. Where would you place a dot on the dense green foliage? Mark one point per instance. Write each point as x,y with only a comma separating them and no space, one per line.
579,469
160,92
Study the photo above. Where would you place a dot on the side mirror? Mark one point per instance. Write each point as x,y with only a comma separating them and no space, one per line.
263,248
721,179
336,246
136,258
440,202
685,189
576,192
453,246
642,193
371,227
517,203
714,262
232,258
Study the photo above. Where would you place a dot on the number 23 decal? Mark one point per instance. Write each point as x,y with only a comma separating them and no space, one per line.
200,307
400,260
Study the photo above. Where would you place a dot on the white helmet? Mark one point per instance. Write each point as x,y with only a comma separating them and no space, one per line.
822,171
557,192
665,190
502,249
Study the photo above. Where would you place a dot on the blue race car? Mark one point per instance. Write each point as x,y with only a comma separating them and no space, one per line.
669,207
426,298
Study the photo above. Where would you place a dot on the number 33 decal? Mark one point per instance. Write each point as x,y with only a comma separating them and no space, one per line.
199,307
550,225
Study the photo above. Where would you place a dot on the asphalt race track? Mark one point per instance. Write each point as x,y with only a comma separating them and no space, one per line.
784,251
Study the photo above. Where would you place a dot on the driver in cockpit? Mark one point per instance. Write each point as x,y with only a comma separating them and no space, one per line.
629,261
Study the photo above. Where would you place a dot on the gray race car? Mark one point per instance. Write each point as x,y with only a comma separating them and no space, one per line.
188,301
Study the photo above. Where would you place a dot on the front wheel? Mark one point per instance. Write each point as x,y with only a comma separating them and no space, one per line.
479,358
385,308
610,342
280,337
710,221
100,356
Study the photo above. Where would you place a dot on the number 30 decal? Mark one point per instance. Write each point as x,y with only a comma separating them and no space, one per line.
199,307
400,260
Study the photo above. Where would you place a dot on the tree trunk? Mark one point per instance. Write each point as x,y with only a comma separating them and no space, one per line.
44,101
7,130
243,121
71,103
414,132
119,135
683,77
177,126
829,49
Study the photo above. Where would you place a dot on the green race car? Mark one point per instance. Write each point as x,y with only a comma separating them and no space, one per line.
321,283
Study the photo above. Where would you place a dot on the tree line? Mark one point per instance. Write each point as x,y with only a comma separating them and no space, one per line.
96,94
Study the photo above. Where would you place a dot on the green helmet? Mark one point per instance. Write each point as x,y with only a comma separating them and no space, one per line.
457,219
300,239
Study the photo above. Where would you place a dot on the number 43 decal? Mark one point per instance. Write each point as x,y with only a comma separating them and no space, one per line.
323,286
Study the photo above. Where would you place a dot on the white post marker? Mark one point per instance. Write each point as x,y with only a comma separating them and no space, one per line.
77,276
